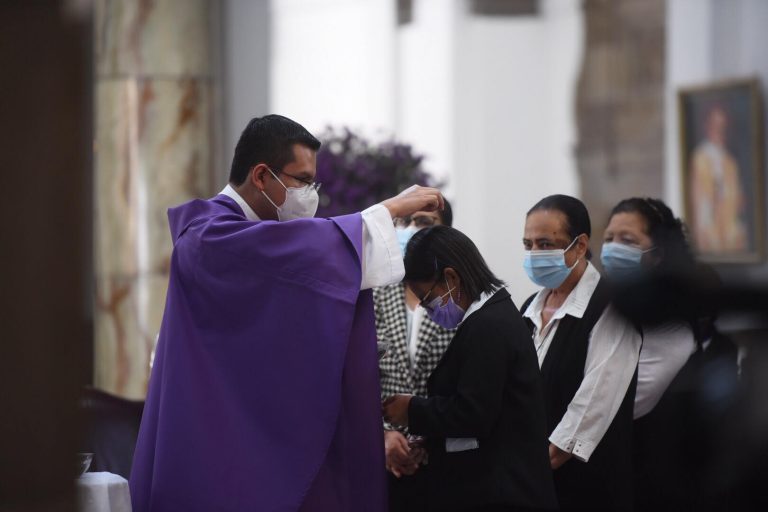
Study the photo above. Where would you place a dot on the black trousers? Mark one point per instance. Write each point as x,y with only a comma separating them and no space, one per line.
408,493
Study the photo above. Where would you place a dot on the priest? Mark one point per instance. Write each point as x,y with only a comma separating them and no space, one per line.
264,393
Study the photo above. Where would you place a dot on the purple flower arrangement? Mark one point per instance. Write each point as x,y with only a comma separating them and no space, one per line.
356,173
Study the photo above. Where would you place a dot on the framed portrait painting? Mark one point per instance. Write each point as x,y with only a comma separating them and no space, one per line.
722,170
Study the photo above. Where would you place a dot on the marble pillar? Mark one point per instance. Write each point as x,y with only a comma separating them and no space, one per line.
154,149
620,105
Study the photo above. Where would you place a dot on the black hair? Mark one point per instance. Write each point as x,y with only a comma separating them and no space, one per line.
576,214
431,250
268,140
446,215
667,232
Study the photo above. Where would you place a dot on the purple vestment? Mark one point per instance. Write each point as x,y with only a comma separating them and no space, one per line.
264,393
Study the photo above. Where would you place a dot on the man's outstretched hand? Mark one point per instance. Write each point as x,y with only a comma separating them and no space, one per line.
414,199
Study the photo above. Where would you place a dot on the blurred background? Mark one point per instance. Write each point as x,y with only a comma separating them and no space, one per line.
115,110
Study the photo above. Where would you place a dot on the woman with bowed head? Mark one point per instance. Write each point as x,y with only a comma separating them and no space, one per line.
483,418
414,345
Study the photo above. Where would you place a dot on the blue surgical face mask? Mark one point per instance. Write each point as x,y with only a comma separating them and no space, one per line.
448,315
548,268
621,261
403,236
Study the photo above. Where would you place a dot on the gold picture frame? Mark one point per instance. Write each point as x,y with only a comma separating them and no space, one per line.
722,170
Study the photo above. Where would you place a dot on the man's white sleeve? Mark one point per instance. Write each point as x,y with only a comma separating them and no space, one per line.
614,348
382,258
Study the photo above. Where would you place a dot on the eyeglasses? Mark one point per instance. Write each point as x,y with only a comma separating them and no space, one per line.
313,185
423,302
420,221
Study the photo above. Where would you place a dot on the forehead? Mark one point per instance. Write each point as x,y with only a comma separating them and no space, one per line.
546,224
630,222
433,215
419,288
304,162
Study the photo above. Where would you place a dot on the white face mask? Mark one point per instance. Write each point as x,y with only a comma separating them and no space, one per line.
300,203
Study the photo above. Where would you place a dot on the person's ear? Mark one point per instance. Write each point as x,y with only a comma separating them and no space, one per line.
258,176
582,246
656,256
454,281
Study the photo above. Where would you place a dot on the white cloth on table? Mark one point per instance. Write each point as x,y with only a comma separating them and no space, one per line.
103,492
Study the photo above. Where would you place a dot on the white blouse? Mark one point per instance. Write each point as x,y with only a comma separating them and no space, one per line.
666,349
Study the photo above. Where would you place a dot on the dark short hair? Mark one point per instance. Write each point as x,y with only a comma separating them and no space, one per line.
431,250
270,140
576,214
446,215
665,230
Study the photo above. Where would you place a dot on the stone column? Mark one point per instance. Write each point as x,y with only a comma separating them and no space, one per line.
620,105
154,149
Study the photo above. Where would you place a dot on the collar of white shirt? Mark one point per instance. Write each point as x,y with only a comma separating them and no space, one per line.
575,304
484,297
247,210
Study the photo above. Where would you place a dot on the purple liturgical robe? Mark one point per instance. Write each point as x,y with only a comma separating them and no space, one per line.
264,393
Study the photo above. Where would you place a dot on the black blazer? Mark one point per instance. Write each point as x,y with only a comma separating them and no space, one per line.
487,386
